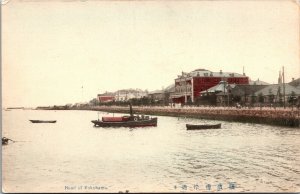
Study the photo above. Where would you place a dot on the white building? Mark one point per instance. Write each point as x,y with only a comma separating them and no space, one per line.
127,94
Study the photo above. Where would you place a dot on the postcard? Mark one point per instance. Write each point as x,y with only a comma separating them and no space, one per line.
150,96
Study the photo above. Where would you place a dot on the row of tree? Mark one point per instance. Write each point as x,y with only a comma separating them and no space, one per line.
211,99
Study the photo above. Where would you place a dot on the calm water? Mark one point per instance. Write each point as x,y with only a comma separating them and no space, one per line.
71,153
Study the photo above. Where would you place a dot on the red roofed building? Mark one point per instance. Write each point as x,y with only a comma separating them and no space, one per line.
106,97
189,85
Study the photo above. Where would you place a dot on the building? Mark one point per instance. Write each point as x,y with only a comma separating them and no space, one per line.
106,97
169,91
188,86
227,94
216,95
163,95
258,82
157,95
222,86
245,94
279,93
127,94
295,83
274,93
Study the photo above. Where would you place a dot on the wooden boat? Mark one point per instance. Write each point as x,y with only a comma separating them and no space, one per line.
126,121
43,121
199,127
5,140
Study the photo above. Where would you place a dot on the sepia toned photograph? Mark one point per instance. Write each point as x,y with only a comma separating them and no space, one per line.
126,96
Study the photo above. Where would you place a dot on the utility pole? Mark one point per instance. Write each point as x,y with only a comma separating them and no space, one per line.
227,94
283,87
185,89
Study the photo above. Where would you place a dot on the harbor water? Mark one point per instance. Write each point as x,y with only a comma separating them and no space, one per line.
74,156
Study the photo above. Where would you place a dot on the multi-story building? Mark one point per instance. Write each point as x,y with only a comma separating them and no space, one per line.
189,85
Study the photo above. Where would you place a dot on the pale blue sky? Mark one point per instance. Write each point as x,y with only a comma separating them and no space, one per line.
51,48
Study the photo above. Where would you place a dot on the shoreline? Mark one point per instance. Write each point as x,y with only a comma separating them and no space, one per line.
278,117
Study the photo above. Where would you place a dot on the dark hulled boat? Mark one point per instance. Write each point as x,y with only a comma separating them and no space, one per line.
126,121
43,121
200,127
5,140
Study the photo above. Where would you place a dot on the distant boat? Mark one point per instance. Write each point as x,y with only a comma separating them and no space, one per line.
203,126
43,121
5,140
126,121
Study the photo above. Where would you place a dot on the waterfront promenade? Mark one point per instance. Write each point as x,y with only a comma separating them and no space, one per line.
265,115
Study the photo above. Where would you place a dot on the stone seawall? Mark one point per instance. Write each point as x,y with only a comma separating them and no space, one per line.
279,116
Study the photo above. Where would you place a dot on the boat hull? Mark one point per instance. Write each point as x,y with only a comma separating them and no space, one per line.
201,127
4,141
139,123
42,121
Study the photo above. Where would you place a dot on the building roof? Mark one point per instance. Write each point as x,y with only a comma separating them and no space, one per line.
273,89
246,89
107,94
130,91
295,82
258,82
156,92
221,87
170,88
207,73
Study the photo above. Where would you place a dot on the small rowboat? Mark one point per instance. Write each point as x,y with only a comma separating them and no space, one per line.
43,121
5,140
199,127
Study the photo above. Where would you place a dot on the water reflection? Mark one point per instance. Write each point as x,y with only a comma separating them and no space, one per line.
167,158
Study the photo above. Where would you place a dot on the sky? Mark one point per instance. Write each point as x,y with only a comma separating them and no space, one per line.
59,52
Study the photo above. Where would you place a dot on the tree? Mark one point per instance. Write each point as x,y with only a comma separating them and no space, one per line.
260,98
94,102
292,98
236,99
252,99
